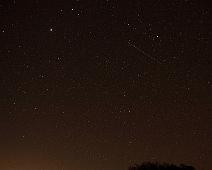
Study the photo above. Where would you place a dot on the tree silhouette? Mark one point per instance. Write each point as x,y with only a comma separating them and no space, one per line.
158,166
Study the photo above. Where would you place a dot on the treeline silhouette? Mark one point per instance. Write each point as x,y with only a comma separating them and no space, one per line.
159,166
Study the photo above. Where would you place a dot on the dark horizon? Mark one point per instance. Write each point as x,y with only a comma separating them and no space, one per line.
89,85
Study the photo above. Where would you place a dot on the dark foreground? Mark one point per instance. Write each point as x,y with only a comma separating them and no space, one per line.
158,166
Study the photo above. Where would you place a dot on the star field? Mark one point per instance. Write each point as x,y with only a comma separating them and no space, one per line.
104,84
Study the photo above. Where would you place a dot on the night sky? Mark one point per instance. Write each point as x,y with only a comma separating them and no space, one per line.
101,85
